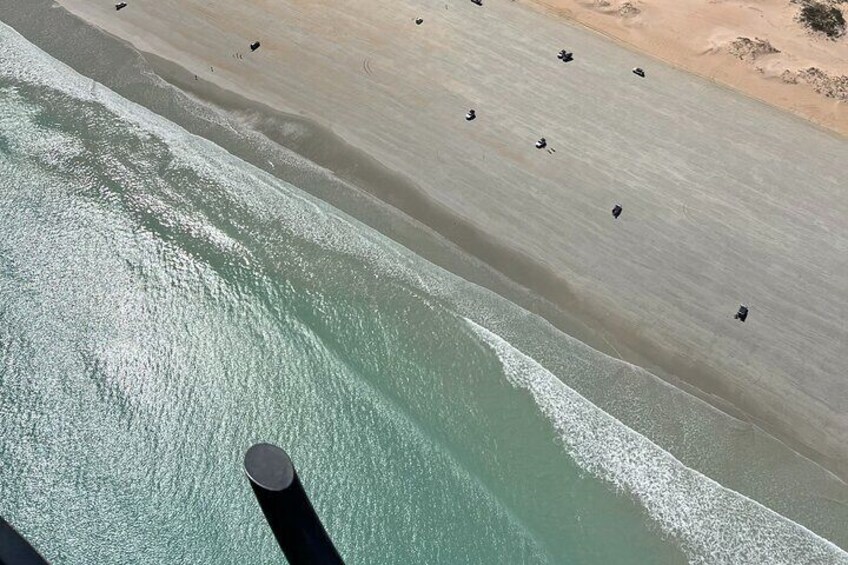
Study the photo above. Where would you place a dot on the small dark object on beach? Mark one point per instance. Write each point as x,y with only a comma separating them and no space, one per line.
742,314
616,211
120,6
471,115
565,56
419,21
639,72
541,144
478,2
254,46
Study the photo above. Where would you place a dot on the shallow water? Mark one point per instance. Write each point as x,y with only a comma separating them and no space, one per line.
164,304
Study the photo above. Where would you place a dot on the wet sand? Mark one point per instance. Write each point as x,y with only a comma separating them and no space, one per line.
725,200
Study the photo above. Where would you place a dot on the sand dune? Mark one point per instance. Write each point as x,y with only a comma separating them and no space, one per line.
806,74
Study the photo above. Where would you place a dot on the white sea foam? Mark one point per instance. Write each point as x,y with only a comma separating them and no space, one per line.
713,524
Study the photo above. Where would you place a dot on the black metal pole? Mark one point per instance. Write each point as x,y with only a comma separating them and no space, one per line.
14,549
286,506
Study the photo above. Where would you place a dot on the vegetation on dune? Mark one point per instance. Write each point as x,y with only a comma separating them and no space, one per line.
823,18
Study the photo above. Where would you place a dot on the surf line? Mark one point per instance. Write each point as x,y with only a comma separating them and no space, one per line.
656,479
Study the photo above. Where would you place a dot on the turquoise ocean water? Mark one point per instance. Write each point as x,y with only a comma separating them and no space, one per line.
164,304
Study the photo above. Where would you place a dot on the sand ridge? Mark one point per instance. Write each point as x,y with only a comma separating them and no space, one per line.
805,74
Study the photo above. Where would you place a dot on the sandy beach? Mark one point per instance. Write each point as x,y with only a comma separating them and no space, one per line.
758,47
726,200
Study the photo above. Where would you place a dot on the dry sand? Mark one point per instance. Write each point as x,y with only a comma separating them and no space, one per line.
788,66
726,200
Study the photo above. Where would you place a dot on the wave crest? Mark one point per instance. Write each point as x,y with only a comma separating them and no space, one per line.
713,524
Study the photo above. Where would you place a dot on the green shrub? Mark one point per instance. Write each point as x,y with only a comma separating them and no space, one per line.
822,18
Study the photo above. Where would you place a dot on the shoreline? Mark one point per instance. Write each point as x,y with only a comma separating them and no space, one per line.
323,147
529,274
570,317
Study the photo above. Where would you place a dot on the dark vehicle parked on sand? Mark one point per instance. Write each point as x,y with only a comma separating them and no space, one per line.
565,56
616,211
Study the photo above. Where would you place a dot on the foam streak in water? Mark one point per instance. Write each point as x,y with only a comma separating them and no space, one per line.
713,524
